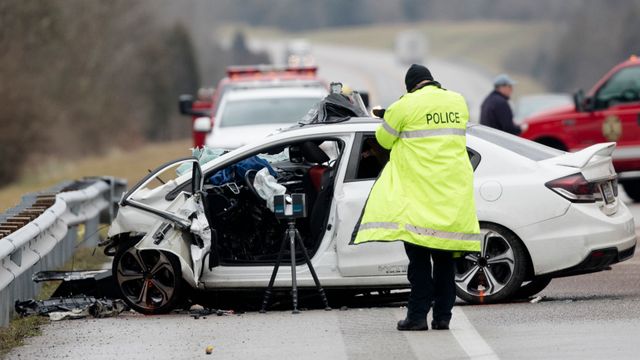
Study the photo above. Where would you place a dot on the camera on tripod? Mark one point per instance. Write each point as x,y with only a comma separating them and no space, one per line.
291,206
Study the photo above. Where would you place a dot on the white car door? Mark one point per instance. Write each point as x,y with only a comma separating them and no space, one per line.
369,259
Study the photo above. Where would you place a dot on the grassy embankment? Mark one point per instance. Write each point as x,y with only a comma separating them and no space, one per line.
130,165
490,45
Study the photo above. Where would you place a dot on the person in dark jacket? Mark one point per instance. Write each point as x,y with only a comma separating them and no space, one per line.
496,111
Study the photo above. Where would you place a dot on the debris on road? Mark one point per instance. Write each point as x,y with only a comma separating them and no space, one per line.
536,299
77,307
209,350
196,311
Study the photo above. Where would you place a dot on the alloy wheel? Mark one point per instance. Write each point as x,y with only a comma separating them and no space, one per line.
146,278
488,272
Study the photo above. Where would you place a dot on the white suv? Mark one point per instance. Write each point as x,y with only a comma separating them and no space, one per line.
246,115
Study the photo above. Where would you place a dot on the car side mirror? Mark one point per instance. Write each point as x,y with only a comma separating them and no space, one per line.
185,105
202,124
588,104
579,100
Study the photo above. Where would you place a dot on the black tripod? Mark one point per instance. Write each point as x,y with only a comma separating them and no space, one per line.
292,235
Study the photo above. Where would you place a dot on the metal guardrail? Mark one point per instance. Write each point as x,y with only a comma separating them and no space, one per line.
42,232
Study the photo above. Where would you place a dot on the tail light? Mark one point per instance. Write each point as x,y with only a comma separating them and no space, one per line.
575,188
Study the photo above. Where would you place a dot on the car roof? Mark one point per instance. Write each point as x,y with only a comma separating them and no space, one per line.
354,124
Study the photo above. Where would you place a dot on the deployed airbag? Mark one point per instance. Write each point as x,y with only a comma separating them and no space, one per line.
267,186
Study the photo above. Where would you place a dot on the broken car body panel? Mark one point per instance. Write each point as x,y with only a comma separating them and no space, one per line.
181,227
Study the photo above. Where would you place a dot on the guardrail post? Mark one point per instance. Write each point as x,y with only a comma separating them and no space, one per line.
69,243
91,234
6,292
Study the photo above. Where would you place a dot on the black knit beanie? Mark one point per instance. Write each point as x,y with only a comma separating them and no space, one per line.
415,75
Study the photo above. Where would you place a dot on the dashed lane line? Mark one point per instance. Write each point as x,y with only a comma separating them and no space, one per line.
468,338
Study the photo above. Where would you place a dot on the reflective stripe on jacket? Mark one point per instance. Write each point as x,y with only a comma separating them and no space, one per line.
424,195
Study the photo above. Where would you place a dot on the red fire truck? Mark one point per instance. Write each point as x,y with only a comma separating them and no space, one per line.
610,111
238,78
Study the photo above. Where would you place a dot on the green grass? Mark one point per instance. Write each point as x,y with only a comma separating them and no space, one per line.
18,330
130,165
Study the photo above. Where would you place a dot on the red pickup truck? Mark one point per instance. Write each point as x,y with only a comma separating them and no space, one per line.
610,111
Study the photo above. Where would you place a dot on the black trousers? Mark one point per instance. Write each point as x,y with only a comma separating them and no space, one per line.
426,287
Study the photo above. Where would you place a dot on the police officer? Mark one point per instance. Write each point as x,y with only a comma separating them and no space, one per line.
424,195
496,111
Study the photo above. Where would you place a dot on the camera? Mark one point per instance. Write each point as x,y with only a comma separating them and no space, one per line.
290,206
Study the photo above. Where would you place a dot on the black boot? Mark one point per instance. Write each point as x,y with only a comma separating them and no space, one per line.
412,325
440,325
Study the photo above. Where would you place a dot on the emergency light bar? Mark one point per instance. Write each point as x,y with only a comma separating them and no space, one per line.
237,71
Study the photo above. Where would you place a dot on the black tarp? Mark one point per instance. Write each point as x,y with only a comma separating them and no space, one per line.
334,108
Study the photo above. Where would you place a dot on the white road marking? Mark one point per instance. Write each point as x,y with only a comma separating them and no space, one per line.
468,338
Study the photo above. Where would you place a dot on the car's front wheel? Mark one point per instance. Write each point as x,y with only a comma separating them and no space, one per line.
496,272
150,281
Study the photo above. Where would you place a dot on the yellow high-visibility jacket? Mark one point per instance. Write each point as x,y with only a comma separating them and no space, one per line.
424,195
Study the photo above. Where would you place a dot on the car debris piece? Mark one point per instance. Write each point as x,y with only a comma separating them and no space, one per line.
71,308
96,283
536,299
208,350
197,311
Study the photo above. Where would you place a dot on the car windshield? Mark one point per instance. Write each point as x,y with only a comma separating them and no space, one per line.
204,155
529,106
518,145
265,111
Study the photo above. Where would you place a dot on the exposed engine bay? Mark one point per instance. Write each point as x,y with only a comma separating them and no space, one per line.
246,229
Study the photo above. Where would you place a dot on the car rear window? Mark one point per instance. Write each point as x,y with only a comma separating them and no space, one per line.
265,111
518,145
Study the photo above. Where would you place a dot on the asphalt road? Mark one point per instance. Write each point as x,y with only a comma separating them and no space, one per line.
380,73
582,317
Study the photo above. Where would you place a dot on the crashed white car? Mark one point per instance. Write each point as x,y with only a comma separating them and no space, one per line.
544,214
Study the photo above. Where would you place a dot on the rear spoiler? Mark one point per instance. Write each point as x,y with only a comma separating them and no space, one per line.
581,158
